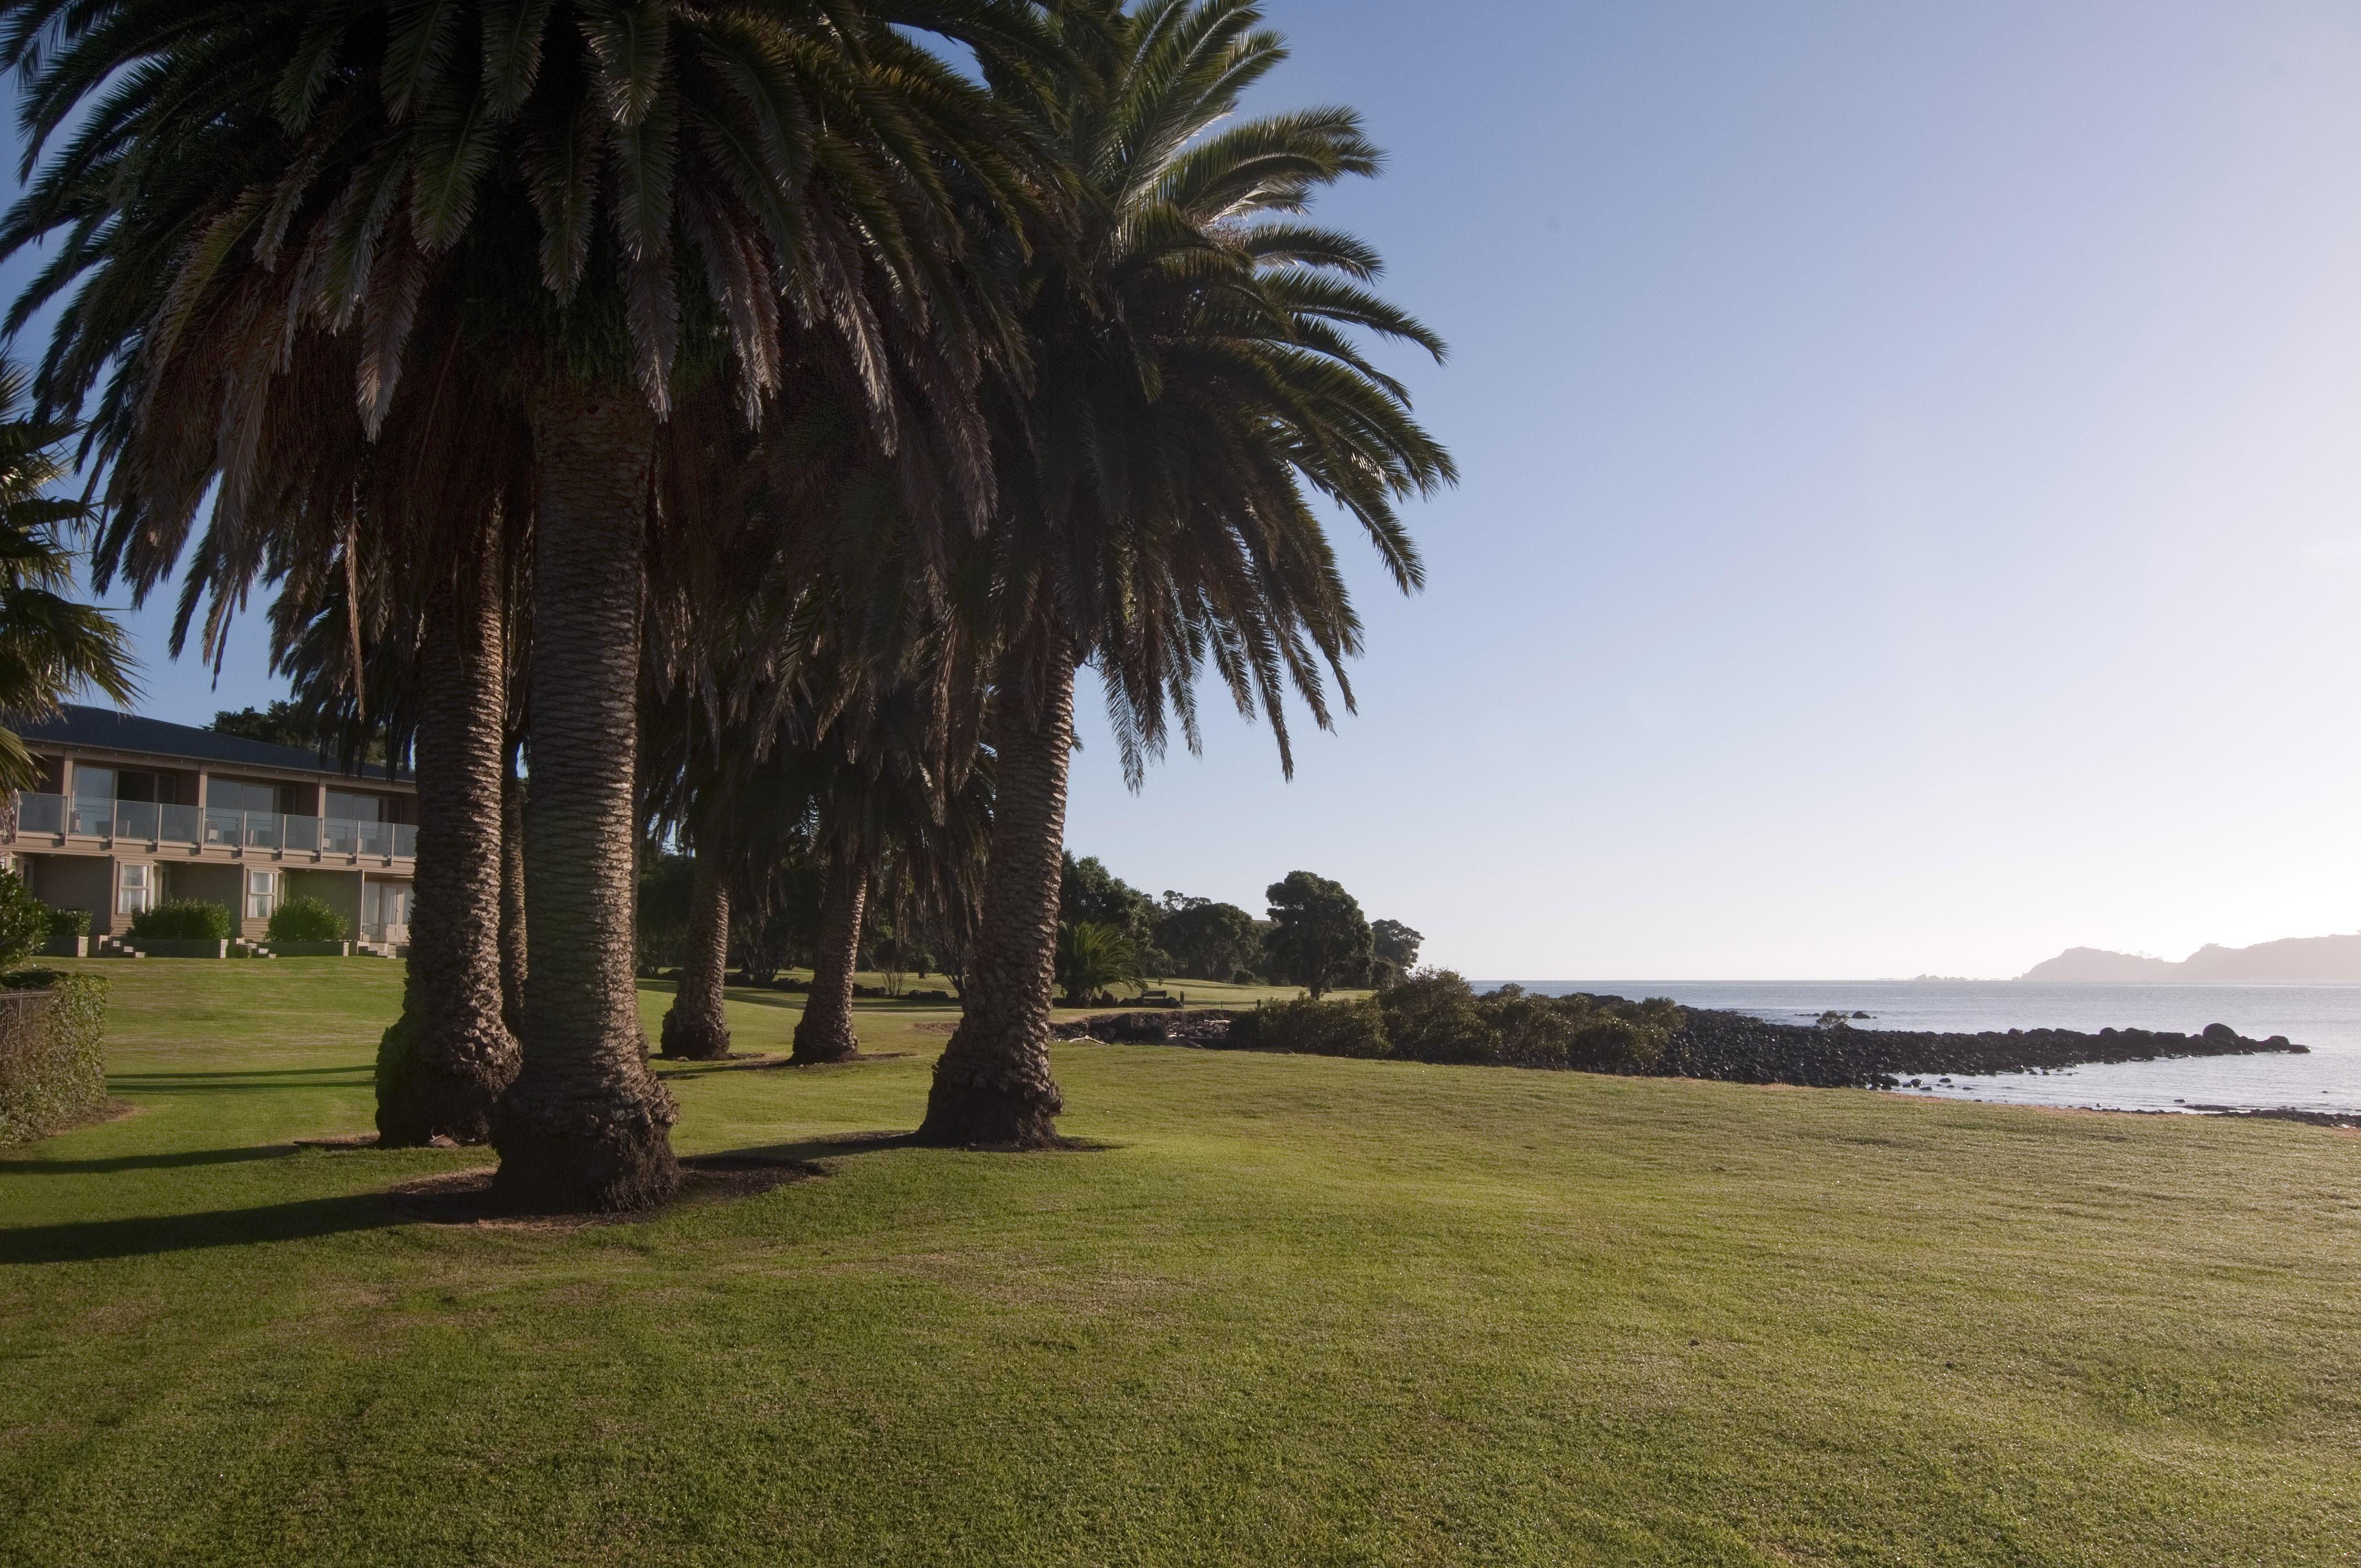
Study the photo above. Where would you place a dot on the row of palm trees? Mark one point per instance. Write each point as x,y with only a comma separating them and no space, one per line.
726,403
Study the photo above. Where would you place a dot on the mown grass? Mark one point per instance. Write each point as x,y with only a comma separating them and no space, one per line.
1292,1310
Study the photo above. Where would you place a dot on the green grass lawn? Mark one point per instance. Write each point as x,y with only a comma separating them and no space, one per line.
1294,1310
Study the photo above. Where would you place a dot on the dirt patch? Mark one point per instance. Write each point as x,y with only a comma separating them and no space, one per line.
466,1197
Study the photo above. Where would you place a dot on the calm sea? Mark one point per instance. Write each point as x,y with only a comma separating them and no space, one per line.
2326,1017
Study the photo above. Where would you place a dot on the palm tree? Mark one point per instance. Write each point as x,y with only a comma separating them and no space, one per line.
894,816
1193,376
50,647
1093,957
435,595
612,207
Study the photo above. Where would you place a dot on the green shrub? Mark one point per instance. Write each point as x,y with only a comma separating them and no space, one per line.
1349,1028
24,920
51,1068
1432,1015
307,920
184,920
69,922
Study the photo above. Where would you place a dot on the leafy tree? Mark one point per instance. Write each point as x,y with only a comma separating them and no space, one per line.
1319,939
1093,957
1195,381
281,724
23,921
662,900
1396,947
1206,940
1088,893
50,647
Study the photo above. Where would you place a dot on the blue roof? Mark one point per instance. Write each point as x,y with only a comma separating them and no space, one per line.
103,729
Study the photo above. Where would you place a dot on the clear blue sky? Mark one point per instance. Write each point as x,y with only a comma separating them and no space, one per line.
1912,517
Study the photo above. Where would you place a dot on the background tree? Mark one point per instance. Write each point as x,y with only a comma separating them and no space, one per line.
282,724
1395,946
50,647
1319,939
1206,940
1088,893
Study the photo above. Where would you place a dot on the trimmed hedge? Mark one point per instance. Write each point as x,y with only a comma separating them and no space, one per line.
307,920
51,1068
184,920
69,922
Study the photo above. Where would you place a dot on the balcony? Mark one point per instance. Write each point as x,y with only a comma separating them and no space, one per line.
213,828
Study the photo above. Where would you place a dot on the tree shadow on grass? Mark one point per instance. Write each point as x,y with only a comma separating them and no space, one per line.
840,1145
177,1159
86,1241
360,1068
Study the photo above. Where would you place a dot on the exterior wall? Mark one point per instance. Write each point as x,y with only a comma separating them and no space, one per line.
211,882
77,870
78,881
340,891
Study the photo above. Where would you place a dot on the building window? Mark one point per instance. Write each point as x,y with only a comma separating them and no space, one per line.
344,806
258,895
238,794
135,889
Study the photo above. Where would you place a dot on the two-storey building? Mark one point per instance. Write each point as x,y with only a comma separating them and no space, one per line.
133,811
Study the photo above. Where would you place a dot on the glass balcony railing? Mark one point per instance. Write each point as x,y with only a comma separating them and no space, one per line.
146,822
40,813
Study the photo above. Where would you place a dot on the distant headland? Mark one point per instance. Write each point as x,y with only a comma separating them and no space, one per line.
2316,959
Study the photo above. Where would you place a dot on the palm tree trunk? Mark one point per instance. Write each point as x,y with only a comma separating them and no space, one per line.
695,1027
513,953
993,1084
442,1065
825,1033
585,1126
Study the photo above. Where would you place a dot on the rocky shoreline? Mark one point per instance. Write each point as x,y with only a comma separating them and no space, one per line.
1740,1048
1736,1047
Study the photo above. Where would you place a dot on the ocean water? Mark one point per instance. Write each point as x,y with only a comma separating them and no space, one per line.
2327,1018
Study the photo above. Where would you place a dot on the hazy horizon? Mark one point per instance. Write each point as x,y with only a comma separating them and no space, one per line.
1911,514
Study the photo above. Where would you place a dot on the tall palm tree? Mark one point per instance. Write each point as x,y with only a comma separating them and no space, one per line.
616,204
50,647
1194,376
892,811
440,517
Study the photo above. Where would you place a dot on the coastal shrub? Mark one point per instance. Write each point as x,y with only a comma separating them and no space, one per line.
1348,1029
307,920
51,1068
184,920
1435,1016
24,920
1431,1015
69,922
